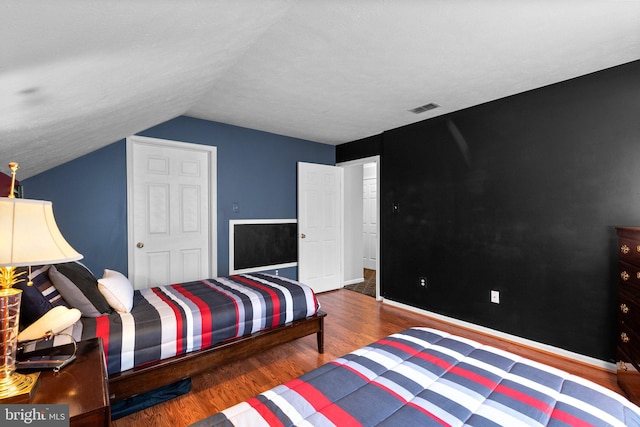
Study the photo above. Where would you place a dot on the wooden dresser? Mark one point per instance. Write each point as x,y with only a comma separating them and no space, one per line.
628,341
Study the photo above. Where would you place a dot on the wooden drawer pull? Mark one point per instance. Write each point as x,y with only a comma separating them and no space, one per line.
624,275
624,337
624,308
624,249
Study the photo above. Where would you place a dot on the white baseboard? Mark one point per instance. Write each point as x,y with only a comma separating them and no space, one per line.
513,338
352,282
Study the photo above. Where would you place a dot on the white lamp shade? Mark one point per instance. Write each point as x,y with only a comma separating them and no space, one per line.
29,234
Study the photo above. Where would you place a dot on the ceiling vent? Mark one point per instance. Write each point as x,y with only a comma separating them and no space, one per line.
423,108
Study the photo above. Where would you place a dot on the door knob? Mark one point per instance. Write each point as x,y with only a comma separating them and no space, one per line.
302,236
140,245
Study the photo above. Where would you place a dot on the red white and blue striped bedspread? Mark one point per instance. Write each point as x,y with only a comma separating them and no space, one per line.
170,320
426,377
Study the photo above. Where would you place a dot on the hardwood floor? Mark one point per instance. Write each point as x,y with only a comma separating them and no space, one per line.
353,320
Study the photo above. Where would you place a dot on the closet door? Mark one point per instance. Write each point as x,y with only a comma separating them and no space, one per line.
171,211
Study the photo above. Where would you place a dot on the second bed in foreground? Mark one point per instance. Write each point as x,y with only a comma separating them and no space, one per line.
425,377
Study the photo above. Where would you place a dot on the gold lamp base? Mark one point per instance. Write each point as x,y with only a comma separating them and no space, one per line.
14,386
18,388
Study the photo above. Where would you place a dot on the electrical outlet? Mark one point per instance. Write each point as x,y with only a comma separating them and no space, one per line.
495,297
422,281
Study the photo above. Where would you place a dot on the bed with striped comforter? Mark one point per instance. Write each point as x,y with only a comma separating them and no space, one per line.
167,321
426,377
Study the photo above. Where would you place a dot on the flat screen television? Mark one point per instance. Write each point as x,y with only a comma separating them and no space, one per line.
262,244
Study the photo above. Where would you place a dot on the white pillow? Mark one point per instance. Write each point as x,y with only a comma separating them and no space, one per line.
55,320
117,290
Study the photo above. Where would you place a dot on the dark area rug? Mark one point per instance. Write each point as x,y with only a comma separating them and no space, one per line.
367,287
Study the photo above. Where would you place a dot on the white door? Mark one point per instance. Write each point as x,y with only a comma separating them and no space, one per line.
320,226
369,216
171,211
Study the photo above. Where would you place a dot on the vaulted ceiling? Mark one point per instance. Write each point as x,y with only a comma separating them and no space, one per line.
76,75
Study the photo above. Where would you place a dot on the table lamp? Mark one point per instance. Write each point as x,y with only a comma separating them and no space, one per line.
29,236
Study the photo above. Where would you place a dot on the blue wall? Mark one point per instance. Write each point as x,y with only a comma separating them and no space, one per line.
256,170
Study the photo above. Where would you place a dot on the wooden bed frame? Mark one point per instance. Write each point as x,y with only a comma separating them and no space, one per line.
149,377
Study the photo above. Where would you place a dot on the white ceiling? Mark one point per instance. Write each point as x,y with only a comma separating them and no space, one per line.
76,75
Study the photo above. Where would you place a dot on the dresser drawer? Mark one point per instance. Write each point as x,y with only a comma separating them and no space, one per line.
629,309
629,249
629,275
629,341
625,362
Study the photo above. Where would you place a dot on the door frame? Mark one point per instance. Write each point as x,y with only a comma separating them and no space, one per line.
213,194
363,161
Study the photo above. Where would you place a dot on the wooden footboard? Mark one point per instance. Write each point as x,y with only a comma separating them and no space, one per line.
149,377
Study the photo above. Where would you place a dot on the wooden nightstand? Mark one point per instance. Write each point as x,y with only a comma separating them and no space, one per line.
83,385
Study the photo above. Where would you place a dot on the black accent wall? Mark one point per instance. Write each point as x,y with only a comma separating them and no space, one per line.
518,195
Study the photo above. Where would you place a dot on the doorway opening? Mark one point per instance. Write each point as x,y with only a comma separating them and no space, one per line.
362,230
